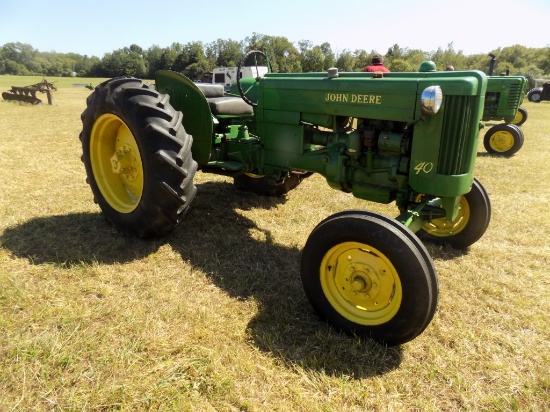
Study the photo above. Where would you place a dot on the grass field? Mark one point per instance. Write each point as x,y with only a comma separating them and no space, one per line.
213,317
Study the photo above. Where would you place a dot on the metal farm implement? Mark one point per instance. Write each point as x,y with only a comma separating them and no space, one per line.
27,94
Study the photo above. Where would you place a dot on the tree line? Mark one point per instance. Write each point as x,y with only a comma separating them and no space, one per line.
197,58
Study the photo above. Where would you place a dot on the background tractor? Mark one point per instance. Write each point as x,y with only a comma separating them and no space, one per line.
502,102
540,92
408,138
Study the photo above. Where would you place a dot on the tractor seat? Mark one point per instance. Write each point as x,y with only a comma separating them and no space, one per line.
223,105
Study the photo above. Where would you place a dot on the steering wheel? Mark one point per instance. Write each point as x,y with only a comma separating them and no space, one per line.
244,93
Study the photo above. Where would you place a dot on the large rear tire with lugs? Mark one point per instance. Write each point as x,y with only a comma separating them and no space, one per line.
137,156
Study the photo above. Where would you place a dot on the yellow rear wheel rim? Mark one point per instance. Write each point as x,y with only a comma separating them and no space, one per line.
361,283
116,163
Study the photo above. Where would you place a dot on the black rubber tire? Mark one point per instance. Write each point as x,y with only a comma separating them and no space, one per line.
535,95
478,219
521,117
413,266
163,146
260,184
494,146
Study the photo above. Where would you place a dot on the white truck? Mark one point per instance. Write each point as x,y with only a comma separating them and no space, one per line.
228,75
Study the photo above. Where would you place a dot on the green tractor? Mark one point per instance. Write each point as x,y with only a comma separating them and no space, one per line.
409,138
502,102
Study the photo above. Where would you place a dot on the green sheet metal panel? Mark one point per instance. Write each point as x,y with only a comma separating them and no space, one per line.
186,97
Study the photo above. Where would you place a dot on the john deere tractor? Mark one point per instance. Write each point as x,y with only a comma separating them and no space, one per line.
502,102
404,138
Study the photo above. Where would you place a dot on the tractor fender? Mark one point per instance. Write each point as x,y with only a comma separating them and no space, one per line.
186,97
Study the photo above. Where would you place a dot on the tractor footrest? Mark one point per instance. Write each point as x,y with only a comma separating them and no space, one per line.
227,165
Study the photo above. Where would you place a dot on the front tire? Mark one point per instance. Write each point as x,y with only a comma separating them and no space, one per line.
137,157
521,117
369,275
471,223
503,140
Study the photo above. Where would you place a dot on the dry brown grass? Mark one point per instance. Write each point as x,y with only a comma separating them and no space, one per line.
213,318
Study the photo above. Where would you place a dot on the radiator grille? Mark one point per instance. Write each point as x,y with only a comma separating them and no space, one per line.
514,96
458,137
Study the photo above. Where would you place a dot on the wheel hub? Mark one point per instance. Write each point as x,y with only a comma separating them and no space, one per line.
361,285
123,163
444,227
359,282
502,141
116,163
360,279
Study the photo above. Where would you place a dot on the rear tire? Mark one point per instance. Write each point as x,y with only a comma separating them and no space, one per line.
137,157
369,275
503,140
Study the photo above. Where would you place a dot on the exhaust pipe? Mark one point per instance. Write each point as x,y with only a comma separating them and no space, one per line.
492,64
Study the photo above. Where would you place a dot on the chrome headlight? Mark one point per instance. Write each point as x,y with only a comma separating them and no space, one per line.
432,97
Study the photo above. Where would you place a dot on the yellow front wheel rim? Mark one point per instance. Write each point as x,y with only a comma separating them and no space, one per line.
444,227
361,283
116,163
502,141
517,118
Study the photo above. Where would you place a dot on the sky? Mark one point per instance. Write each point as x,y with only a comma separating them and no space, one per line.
94,28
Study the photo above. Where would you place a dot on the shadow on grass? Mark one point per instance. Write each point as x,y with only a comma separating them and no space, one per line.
69,240
238,256
217,238
492,155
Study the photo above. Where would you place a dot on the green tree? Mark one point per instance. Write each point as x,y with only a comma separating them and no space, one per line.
195,70
20,53
330,59
361,60
401,65
395,52
192,54
152,56
167,59
283,55
312,57
228,52
545,60
345,61
123,62
22,59
448,57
